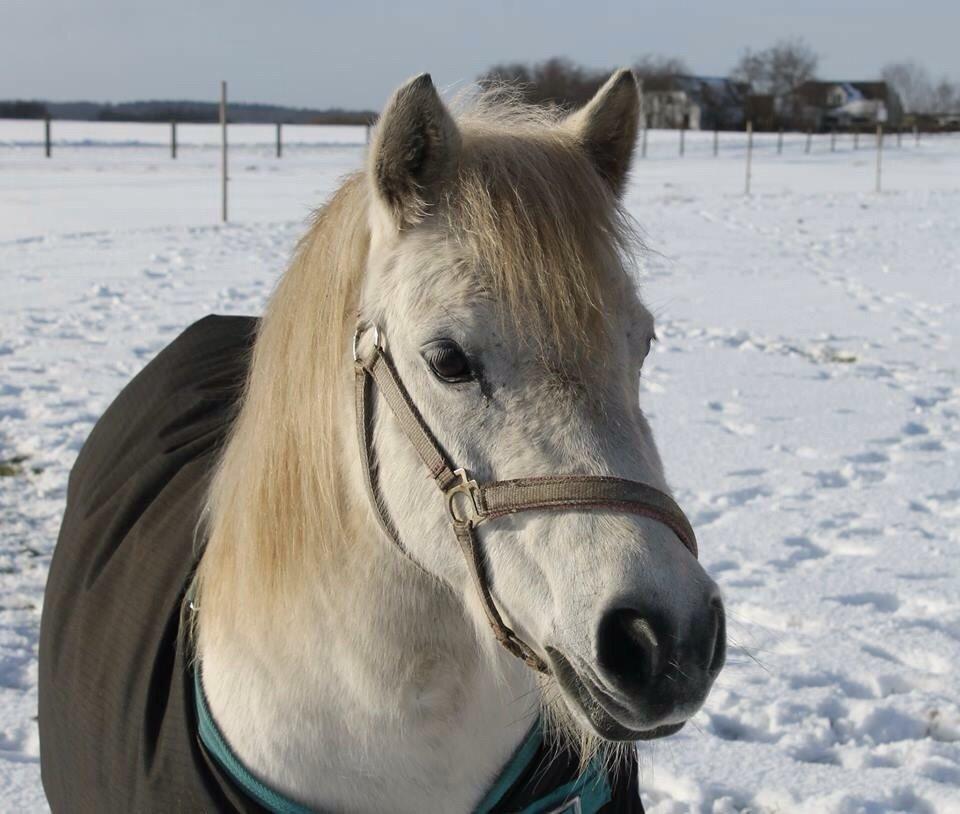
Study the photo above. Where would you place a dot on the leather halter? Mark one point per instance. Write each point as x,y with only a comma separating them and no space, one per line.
470,503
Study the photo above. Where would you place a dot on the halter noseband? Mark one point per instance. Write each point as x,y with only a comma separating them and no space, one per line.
470,503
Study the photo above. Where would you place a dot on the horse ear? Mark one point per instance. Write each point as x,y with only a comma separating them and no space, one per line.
414,151
607,127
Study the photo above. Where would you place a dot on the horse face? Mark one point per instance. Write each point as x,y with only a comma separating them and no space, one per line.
630,625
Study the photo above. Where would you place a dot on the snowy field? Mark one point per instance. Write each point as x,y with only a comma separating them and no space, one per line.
805,396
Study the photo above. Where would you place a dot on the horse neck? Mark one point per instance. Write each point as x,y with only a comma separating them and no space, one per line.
369,690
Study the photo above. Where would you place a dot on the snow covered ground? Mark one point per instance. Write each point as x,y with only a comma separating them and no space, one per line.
805,396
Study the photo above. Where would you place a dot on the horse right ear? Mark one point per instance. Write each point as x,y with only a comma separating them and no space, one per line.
607,127
414,151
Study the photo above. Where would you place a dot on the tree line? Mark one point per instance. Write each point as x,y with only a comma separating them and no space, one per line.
179,111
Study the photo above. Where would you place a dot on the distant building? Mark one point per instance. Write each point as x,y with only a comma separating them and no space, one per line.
843,105
694,102
707,103
670,110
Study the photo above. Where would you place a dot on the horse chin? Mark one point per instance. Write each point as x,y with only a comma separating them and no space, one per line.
591,706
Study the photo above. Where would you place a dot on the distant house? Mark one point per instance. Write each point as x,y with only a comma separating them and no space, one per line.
694,102
670,110
844,105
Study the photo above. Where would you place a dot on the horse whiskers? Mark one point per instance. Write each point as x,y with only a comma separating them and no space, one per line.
734,645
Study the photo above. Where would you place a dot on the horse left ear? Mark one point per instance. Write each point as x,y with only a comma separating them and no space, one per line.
414,151
607,127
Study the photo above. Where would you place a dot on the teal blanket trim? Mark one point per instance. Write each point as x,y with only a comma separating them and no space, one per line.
592,786
212,738
514,768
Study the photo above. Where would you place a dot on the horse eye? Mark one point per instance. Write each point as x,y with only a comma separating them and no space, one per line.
448,361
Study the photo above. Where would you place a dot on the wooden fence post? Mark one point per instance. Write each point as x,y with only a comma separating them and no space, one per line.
279,139
749,154
809,139
46,135
683,130
643,142
856,138
780,141
173,139
223,149
879,153
716,141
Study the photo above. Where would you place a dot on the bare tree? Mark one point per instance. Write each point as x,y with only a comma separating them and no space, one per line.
912,84
753,69
779,69
560,81
945,97
556,81
517,72
655,66
791,63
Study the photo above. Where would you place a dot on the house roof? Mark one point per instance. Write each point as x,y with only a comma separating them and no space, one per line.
815,91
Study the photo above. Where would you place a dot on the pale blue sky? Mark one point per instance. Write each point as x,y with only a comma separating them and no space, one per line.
352,54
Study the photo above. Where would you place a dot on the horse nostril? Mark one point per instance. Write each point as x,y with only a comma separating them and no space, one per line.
720,637
630,647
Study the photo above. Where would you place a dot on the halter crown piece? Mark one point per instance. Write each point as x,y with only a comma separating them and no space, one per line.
469,504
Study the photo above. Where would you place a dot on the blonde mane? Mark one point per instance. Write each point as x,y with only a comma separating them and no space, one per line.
533,217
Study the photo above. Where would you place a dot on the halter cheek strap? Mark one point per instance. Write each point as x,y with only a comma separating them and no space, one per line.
470,504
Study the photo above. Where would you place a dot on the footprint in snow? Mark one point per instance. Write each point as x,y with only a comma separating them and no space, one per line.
880,653
885,602
802,549
868,458
723,407
830,679
740,497
734,428
927,446
829,479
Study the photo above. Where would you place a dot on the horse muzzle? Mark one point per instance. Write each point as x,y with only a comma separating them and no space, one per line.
650,674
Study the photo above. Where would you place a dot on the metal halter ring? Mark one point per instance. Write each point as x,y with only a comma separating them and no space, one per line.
462,500
356,340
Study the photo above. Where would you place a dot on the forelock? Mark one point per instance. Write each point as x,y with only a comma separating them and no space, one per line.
544,230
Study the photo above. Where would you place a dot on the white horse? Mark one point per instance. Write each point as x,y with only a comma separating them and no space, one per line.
490,252
469,294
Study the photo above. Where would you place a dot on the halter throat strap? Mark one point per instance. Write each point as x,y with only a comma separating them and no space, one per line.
469,504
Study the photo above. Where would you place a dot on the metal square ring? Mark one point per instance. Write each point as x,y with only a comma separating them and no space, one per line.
462,500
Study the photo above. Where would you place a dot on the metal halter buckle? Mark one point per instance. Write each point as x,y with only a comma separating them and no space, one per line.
462,500
356,340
